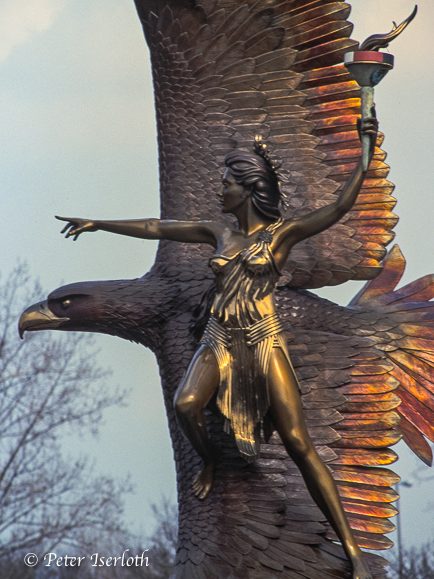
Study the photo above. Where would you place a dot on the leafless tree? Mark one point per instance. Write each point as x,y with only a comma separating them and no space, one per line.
162,544
158,563
417,563
49,387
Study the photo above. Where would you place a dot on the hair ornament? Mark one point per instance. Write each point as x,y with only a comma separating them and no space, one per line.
261,148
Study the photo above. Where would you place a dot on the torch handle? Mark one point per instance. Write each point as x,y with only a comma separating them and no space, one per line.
367,104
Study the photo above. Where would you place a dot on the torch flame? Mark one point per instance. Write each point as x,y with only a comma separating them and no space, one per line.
377,41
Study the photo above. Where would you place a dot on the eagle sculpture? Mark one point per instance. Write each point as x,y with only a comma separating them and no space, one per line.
224,71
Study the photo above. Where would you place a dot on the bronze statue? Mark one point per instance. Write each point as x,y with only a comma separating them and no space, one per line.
242,353
224,71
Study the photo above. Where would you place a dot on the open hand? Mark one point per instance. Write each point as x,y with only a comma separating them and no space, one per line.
75,226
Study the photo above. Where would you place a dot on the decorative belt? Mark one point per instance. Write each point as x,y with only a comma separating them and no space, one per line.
268,326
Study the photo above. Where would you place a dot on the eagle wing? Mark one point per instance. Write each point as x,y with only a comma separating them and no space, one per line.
225,71
370,371
260,518
366,381
405,320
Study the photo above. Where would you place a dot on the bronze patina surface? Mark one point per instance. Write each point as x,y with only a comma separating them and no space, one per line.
361,376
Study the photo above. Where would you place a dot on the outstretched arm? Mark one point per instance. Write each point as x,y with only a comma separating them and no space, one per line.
325,217
186,231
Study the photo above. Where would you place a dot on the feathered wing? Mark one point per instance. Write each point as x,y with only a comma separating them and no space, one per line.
362,369
406,336
380,382
260,521
366,380
353,433
226,70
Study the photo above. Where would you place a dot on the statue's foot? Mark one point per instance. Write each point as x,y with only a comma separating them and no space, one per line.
202,483
360,569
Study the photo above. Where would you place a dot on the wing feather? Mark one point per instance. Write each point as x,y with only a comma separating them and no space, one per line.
406,335
225,71
354,380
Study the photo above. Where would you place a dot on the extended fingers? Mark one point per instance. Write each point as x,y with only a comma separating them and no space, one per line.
71,223
71,230
67,219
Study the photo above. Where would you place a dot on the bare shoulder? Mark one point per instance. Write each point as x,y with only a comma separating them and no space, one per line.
218,228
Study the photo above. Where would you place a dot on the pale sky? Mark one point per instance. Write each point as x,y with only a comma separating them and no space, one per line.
78,138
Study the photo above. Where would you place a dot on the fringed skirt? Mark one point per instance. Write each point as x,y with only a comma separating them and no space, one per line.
243,357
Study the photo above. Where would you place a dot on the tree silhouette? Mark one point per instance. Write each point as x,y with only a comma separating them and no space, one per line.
49,387
417,563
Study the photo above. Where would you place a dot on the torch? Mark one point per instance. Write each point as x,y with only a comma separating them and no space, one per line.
368,66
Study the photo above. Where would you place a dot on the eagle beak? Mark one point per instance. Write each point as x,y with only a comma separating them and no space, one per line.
38,317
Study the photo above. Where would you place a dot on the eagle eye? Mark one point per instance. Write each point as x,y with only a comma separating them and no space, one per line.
65,303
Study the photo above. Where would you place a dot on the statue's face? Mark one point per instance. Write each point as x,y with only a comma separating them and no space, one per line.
234,194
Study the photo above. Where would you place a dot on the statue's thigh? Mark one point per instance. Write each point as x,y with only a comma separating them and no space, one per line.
285,401
201,379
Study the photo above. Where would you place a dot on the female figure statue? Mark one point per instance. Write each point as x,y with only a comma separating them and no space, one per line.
242,355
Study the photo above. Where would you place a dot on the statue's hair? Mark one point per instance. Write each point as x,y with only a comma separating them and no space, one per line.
259,173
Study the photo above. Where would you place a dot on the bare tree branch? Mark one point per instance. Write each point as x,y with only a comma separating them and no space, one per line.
49,386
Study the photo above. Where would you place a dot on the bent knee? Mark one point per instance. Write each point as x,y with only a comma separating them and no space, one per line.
186,404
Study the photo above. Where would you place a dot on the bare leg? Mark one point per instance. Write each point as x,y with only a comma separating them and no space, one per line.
287,415
195,391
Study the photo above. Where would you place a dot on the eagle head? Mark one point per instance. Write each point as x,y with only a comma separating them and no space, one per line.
123,308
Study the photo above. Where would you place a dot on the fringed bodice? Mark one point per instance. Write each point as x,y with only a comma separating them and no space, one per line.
245,282
242,330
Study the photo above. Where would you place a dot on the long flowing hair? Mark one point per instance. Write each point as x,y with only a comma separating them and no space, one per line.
257,172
